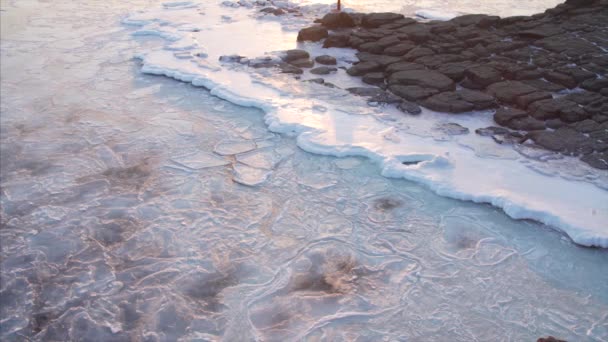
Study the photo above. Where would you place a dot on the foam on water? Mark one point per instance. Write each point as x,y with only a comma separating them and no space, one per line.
465,167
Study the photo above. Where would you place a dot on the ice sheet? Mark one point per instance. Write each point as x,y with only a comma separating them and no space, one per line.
465,168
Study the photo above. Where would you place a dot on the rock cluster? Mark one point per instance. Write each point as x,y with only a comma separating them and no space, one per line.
546,74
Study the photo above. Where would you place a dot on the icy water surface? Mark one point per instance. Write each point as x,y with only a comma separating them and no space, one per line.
138,208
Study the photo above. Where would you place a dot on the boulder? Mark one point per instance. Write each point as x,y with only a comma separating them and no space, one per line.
526,124
403,66
504,115
596,160
525,100
448,102
366,91
418,52
371,47
564,139
424,78
323,70
399,49
409,107
372,20
595,84
326,60
303,63
336,20
508,91
380,59
482,76
292,55
374,78
491,130
290,69
362,68
412,93
559,78
563,109
313,34
337,40
479,20
478,99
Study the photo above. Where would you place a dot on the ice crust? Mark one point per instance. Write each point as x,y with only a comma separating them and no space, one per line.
465,168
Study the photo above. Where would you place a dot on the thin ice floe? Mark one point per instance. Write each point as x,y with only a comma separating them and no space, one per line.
467,167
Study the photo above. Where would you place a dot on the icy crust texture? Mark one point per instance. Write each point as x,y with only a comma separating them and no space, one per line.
327,121
138,208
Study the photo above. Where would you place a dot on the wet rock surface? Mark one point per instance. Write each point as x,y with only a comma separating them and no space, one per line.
523,65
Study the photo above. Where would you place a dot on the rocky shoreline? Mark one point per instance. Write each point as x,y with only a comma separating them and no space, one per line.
546,75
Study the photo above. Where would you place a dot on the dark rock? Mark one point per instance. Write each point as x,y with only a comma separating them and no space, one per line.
478,99
492,130
412,93
504,115
324,70
316,80
434,61
385,97
326,60
374,78
388,41
423,78
376,19
452,128
596,84
290,69
397,24
599,107
509,138
399,49
337,40
554,123
544,85
449,101
380,59
483,75
526,74
402,66
338,20
583,97
598,161
455,71
409,107
525,100
563,139
526,124
416,33
314,34
479,20
371,47
579,75
585,126
559,78
363,68
273,10
303,63
567,111
292,55
508,91
542,31
569,46
366,91
418,52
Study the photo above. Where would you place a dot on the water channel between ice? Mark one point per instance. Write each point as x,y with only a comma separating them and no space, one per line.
136,207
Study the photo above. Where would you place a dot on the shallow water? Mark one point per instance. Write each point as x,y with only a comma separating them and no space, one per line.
127,213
